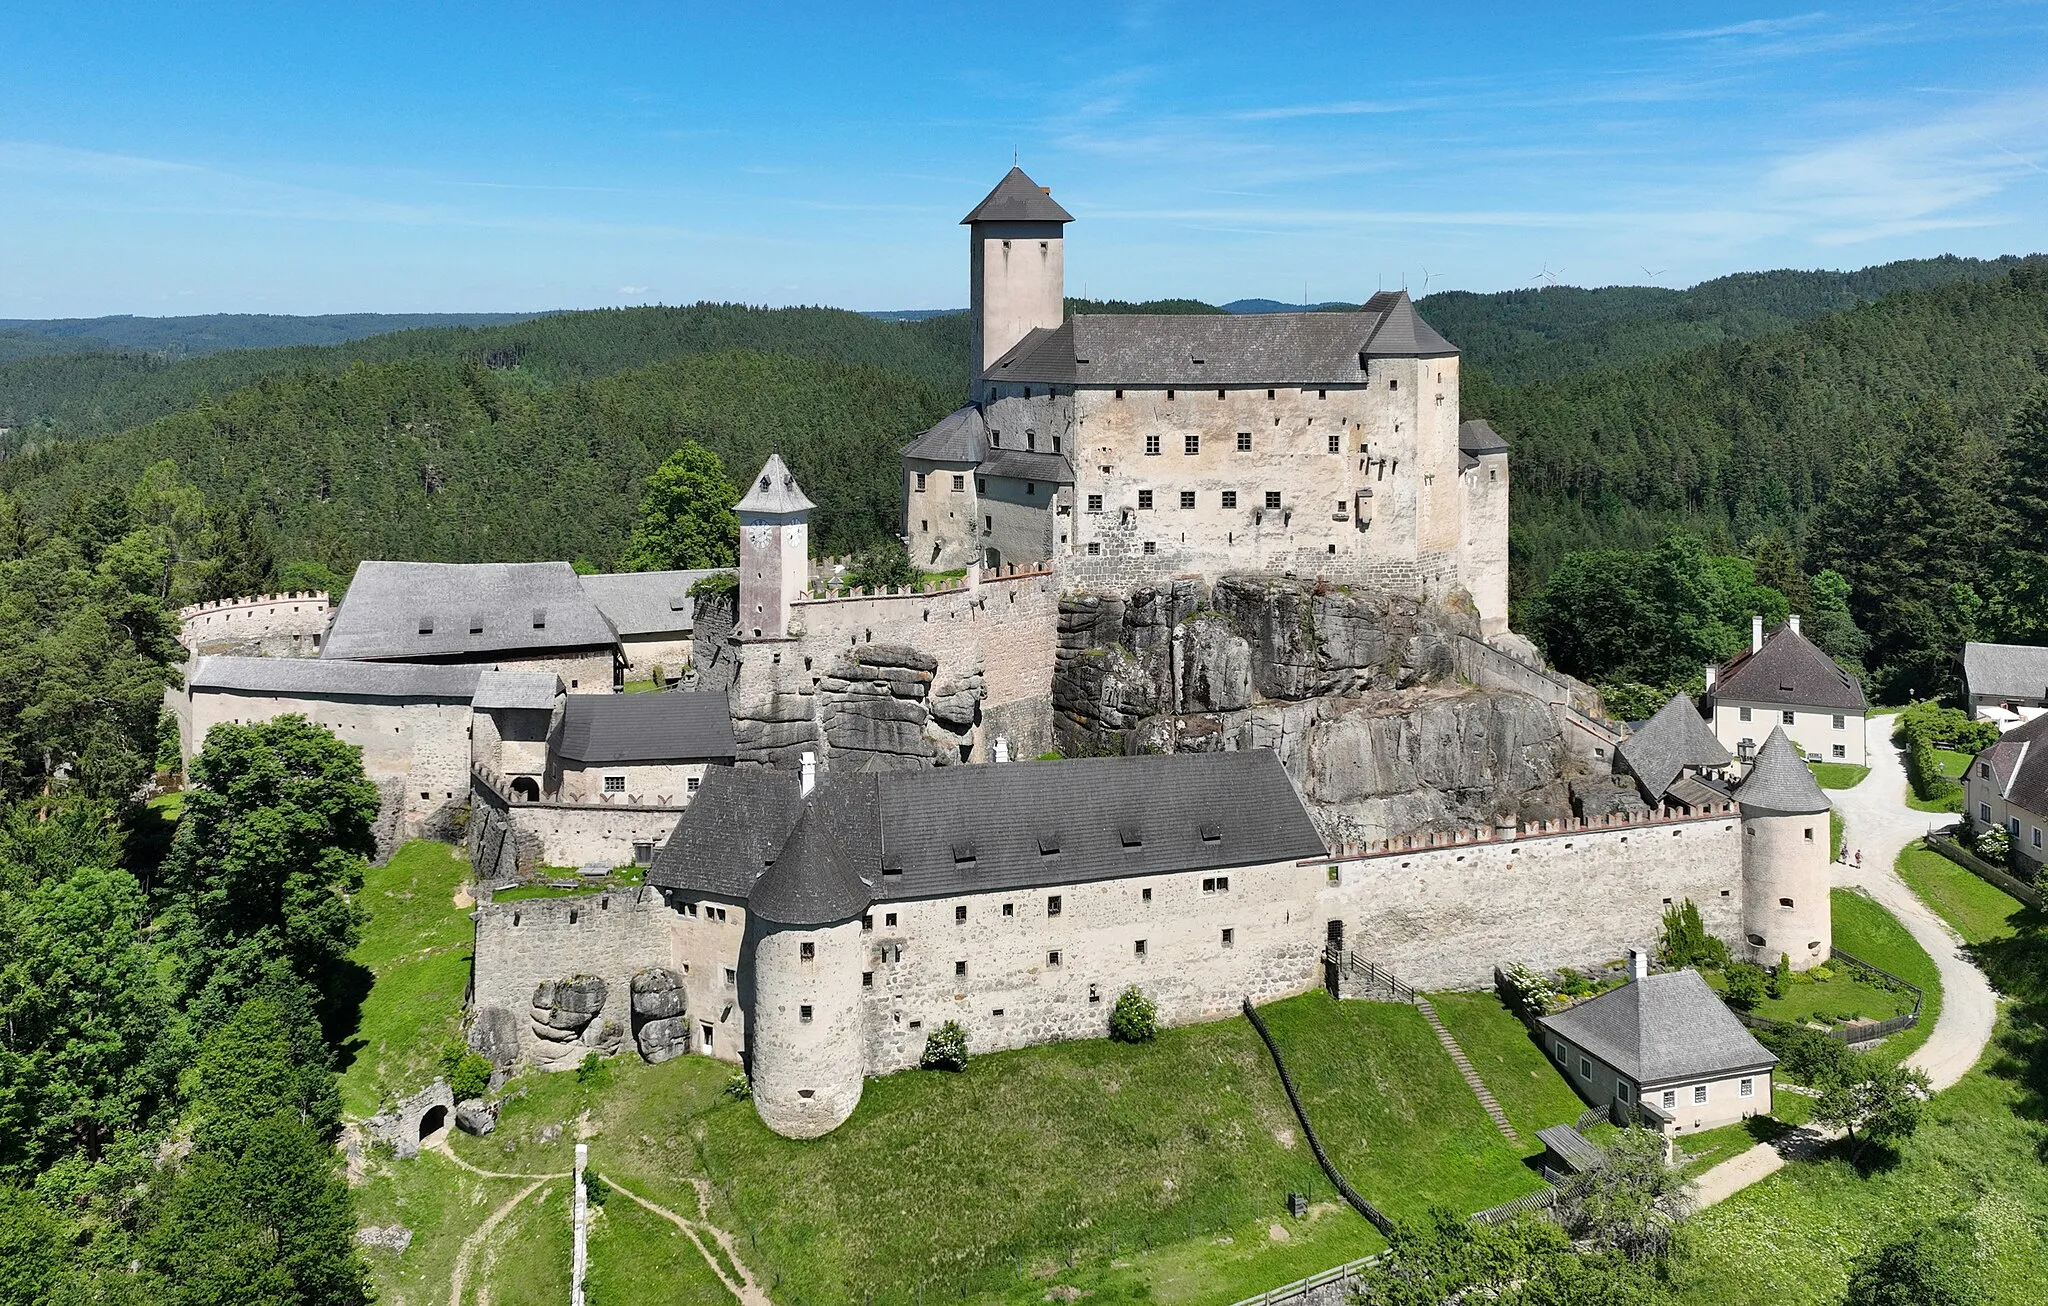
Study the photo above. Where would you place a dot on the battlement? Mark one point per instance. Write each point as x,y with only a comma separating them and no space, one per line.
1565,825
279,624
248,601
829,589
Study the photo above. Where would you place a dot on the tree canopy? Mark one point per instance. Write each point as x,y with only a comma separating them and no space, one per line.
686,520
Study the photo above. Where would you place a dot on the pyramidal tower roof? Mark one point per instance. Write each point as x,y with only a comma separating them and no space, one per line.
1780,782
1017,198
775,490
1401,332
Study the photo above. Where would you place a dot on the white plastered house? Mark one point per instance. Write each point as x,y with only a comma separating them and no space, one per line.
1784,680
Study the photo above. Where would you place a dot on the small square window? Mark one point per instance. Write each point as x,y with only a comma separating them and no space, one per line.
1809,834
1094,549
1138,948
959,968
732,977
920,482
1052,905
890,920
1230,498
1144,895
1789,717
1841,722
1191,444
1747,1088
1144,498
1699,1094
1244,441
1272,498
959,483
960,913
1187,498
1229,938
1094,503
1322,394
1052,960
615,784
1119,394
1744,713
1841,752
804,1012
1151,547
690,785
1152,444
1336,877
807,951
1009,909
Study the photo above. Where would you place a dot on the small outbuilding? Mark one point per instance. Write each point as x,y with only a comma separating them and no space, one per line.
1665,1049
2011,678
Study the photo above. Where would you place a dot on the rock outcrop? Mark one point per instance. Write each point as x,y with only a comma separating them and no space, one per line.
494,1035
661,1029
1357,691
566,1019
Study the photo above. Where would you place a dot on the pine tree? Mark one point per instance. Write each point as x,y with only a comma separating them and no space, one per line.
2019,602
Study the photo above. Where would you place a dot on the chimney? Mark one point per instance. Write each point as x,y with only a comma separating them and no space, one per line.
1638,964
1795,623
1710,677
810,775
1756,633
1002,748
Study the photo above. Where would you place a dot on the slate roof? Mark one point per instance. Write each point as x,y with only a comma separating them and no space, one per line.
2012,672
1028,465
647,602
975,829
1789,670
675,726
774,491
1201,349
521,607
1779,781
520,689
1017,198
326,677
2019,765
1478,437
961,436
1664,1029
1669,742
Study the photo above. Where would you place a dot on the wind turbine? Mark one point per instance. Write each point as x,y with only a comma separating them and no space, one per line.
1653,275
1546,276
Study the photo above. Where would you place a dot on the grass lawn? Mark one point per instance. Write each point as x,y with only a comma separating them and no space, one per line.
1975,908
1846,995
417,945
1788,1241
522,892
1954,766
1523,1080
1838,775
442,1204
1834,834
1873,934
636,1256
641,686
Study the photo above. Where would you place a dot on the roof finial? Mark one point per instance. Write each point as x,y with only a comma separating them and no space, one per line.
1013,156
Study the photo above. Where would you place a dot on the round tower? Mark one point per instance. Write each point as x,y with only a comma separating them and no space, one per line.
1786,849
806,1040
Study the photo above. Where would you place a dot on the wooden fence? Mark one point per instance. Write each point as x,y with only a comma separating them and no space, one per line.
1863,1031
1984,870
1315,1145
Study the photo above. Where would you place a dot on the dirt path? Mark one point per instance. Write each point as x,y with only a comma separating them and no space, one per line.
746,1290
1876,820
440,1148
474,1243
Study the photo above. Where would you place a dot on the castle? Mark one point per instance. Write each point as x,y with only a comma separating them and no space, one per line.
1250,547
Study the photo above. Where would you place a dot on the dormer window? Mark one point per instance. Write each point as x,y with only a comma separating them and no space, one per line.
476,623
963,854
540,618
1212,833
1048,845
426,625
1130,836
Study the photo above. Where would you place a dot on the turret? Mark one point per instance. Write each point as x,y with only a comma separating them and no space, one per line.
1016,268
806,1039
775,551
1785,858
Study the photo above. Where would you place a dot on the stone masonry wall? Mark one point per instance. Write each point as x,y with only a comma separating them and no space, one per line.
519,945
290,624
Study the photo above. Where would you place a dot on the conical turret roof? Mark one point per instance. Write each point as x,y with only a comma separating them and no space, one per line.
816,879
774,490
1017,198
1668,743
1780,782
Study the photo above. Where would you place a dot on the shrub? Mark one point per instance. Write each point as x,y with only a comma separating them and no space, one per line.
1934,1266
1135,1018
1808,1056
945,1048
594,1188
1527,991
1781,977
592,1072
469,1073
1994,846
1686,941
738,1088
1746,985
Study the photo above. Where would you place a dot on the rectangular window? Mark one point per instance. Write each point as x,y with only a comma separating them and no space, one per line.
1052,960
1221,884
1585,1068
706,1029
1144,498
988,524
1138,948
1230,498
803,1013
867,922
867,979
691,784
615,784
1229,938
1191,444
1094,503
1984,812
1336,442
1152,444
1150,547
1052,905
1187,498
960,968
890,920
1144,895
920,482
1009,909
1744,713
1841,752
1699,1094
1809,834
1789,717
1984,770
981,485
1670,1099
2037,836
1841,721
732,977
959,483
1747,1088
1094,549
960,913
1119,394
1244,441
807,951
1272,498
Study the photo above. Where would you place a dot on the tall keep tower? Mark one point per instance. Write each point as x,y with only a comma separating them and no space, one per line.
1785,859
1016,267
775,551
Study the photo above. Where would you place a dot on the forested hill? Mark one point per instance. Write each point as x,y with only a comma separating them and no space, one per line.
51,399
209,333
1750,436
448,461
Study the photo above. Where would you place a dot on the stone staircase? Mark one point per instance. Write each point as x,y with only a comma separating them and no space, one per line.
1464,1065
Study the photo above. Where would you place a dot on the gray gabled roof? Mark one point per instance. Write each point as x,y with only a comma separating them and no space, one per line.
427,610
774,491
333,677
647,602
1790,670
1665,1029
732,830
2019,765
515,689
661,727
1779,782
1202,349
2006,671
1669,742
1028,465
961,436
1477,436
977,829
1017,198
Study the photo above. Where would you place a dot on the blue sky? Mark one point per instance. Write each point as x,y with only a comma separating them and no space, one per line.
416,157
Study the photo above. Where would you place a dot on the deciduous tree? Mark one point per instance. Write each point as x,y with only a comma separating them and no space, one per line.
686,516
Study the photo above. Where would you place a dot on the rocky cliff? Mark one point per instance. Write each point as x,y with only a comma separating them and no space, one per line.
1357,691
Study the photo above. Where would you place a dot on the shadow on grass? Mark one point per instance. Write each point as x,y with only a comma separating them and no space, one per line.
346,988
2017,966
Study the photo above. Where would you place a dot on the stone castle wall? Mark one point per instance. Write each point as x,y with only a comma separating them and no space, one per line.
520,945
290,624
